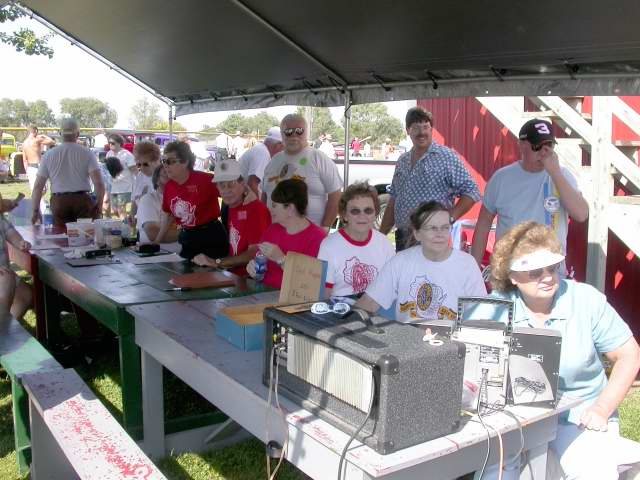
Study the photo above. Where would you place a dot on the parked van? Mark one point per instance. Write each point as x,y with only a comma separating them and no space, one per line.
7,147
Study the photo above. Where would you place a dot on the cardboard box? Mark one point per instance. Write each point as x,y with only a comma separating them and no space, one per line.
242,326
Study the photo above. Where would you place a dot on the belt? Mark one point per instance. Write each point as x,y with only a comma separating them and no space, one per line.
82,192
202,226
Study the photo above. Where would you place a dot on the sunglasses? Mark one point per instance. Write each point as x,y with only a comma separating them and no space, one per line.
432,229
537,148
339,308
143,164
171,161
290,131
366,211
538,273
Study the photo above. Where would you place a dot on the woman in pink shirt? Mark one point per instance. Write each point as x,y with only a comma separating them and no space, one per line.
290,231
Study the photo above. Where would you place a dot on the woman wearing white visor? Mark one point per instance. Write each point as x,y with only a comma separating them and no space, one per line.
524,268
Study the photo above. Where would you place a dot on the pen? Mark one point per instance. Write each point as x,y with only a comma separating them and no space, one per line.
177,289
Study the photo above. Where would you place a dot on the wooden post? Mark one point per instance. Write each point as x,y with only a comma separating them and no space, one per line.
600,198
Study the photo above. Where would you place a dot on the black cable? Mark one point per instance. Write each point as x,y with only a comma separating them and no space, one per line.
357,431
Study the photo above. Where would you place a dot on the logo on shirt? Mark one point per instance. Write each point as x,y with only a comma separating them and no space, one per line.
359,275
185,211
426,301
552,204
234,238
242,215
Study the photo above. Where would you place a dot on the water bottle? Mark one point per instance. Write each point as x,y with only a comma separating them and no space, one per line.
261,267
47,219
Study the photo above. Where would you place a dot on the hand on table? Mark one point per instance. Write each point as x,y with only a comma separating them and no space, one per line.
204,261
594,418
36,217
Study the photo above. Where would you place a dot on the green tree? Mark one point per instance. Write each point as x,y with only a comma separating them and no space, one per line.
89,112
233,123
145,115
260,123
24,39
13,112
40,114
320,121
164,125
372,120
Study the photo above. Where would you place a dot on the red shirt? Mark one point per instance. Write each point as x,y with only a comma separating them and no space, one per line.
307,242
193,203
247,224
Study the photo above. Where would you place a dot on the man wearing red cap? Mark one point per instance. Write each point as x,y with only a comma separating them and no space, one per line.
534,188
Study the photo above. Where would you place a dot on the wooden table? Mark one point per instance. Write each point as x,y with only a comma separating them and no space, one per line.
181,337
105,291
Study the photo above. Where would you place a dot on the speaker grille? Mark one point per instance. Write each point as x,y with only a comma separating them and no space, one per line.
324,367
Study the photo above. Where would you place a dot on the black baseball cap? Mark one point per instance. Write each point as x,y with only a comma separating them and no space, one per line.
537,131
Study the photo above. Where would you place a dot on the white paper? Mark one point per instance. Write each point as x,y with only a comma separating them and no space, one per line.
172,257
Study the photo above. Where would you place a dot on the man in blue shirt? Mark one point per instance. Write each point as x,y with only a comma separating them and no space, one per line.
428,171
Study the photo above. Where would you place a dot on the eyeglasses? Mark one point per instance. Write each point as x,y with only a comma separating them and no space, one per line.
418,127
290,131
537,148
538,273
339,308
366,211
143,164
171,161
432,229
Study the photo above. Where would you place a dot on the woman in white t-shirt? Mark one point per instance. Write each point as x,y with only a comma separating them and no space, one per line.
122,185
426,280
147,156
356,253
150,211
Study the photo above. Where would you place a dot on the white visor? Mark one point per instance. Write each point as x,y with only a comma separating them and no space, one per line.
538,259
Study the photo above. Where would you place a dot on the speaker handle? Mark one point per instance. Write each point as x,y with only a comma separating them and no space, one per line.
462,301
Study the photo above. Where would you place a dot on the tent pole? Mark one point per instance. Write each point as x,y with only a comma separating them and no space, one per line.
347,127
170,122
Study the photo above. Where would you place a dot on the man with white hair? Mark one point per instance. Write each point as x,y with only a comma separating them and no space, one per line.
299,160
69,167
254,160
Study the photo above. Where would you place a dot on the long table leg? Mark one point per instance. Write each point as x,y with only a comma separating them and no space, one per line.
130,374
153,406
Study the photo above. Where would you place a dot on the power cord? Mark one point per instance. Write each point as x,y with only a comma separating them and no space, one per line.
271,476
283,452
357,431
483,386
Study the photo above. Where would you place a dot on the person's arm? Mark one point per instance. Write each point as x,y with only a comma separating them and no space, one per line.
152,229
165,220
481,234
45,140
331,209
98,185
254,184
36,196
462,206
570,198
365,302
388,219
15,239
626,362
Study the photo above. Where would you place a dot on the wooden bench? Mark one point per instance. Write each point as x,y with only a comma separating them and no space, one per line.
74,436
20,353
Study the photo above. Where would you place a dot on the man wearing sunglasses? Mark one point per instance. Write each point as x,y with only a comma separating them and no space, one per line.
534,188
299,160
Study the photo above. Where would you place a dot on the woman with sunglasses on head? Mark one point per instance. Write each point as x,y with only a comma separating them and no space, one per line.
356,253
122,185
147,156
524,268
426,280
191,198
299,160
291,230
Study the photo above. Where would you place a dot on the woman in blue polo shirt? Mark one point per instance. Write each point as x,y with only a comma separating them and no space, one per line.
524,269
